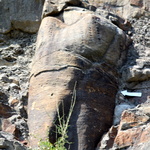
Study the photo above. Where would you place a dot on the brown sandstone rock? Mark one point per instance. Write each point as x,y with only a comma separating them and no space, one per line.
133,137
108,139
138,3
66,54
133,131
5,111
132,118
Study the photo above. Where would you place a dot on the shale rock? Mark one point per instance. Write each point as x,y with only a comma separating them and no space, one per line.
86,51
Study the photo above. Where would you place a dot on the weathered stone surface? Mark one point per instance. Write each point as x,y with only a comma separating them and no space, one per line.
123,8
105,2
88,89
7,142
16,54
133,118
14,75
5,111
118,111
82,42
77,14
108,139
135,75
53,7
133,130
135,123
66,54
138,3
128,137
21,128
24,15
16,126
7,126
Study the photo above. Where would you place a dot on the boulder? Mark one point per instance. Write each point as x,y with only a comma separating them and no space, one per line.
7,142
138,3
5,111
127,138
24,15
54,7
123,8
108,139
132,132
134,126
86,52
7,126
118,111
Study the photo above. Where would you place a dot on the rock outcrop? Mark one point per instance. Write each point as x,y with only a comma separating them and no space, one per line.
132,132
80,48
7,142
53,7
24,15
124,8
16,51
87,49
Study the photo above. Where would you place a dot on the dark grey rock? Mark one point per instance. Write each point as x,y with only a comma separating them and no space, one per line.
8,142
24,15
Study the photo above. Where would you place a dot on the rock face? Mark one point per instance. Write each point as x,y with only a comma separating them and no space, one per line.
53,7
7,142
80,48
16,51
133,128
132,132
20,14
124,8
85,50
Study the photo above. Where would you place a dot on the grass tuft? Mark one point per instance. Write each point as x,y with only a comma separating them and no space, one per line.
61,129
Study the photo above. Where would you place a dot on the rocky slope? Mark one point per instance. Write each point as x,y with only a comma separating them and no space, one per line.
16,50
17,47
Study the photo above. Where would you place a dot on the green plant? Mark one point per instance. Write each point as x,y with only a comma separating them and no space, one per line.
61,128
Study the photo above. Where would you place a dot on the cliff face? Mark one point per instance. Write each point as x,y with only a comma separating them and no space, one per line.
104,46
